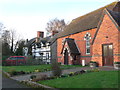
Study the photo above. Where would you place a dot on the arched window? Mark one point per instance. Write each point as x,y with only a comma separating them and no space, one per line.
87,39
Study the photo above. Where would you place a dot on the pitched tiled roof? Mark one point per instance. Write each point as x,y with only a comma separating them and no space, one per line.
86,22
72,46
117,7
53,38
116,16
30,42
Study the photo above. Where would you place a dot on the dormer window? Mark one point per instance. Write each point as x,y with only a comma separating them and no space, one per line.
87,39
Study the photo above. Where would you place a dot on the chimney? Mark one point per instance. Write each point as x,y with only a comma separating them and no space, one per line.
54,32
40,34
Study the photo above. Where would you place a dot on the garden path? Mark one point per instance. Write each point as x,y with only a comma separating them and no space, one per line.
9,83
27,77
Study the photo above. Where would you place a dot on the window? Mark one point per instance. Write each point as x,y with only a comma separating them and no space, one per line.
87,39
47,55
16,58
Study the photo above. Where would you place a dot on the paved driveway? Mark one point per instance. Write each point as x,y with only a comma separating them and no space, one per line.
9,83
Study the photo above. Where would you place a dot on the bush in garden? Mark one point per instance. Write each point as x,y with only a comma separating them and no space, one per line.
71,73
59,63
95,70
32,76
28,72
29,60
77,72
40,77
56,70
21,72
43,77
46,70
51,77
64,75
82,71
36,70
12,72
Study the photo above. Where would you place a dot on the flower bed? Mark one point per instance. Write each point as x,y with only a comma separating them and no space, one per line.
45,77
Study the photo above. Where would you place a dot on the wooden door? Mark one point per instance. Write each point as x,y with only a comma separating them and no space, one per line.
66,57
107,55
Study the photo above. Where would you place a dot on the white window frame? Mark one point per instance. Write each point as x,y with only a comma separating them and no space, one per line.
87,41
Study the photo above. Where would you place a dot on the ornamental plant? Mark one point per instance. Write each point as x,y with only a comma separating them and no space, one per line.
56,70
116,62
32,76
93,62
36,70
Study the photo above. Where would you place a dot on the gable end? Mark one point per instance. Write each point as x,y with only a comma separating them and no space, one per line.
106,11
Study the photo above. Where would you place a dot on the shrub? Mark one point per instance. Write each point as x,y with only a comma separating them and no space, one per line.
93,62
88,71
77,72
116,62
82,71
56,70
32,76
95,70
43,77
40,77
46,70
29,60
36,70
59,63
71,74
12,72
64,75
21,72
28,72
51,77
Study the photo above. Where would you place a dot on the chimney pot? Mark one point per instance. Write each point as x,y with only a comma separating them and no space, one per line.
54,32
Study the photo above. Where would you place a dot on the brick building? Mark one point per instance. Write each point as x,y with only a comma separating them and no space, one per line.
92,37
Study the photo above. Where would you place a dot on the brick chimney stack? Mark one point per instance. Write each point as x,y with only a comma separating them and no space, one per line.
40,34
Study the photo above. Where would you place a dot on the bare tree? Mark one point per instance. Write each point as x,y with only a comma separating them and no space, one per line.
55,25
12,38
6,36
1,29
5,43
19,47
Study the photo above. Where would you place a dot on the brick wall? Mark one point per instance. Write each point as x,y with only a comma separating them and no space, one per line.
109,30
81,43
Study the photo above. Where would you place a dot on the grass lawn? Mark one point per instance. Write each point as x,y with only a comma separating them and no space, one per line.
25,68
33,67
102,79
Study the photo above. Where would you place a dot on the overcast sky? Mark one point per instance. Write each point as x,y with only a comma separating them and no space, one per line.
29,16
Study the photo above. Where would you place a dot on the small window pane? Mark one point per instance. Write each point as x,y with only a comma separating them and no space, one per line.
88,50
110,50
105,51
87,43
